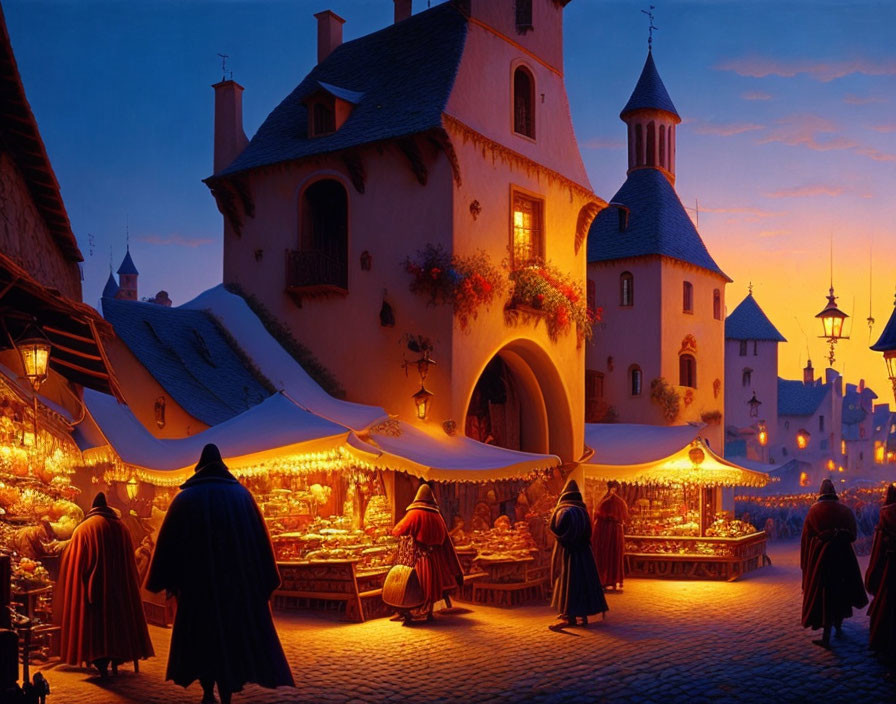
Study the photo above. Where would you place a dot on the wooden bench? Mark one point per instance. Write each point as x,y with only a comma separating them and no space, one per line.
331,585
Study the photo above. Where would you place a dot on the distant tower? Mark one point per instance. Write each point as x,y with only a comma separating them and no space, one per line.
127,278
111,288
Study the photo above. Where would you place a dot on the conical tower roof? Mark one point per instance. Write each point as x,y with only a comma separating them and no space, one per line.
749,322
127,265
649,93
887,340
111,288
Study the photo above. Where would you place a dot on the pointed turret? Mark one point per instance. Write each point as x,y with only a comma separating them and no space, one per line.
749,322
127,278
651,118
111,288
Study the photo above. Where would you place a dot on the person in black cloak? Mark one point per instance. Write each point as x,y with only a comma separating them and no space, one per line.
215,555
577,591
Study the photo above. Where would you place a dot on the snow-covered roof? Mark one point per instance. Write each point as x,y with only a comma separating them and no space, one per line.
633,443
274,424
276,364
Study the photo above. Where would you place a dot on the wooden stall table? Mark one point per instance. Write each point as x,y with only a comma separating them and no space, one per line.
509,581
330,584
691,557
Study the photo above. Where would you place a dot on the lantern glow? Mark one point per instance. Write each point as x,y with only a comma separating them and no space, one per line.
34,350
422,400
832,323
763,434
802,439
132,487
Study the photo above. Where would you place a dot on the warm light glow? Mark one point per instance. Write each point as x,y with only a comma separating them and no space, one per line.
830,465
35,353
763,438
27,438
132,488
802,440
879,453
422,399
804,479
840,468
832,319
843,447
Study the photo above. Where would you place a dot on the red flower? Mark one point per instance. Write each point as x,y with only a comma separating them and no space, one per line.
435,272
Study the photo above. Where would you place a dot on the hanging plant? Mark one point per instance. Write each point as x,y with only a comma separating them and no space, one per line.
666,397
545,288
711,417
467,283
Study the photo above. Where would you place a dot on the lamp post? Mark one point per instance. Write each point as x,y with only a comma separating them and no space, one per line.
34,349
887,345
832,322
754,404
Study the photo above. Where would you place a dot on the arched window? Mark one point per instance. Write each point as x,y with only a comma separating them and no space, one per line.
688,297
717,304
639,145
635,377
323,256
523,102
662,145
746,378
687,371
651,144
626,289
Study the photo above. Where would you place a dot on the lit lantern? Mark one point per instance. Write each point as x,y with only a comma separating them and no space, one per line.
830,465
754,404
763,434
27,438
887,345
832,323
802,439
34,349
132,487
422,399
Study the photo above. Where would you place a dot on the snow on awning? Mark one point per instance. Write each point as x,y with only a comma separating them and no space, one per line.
702,468
274,429
633,443
277,365
441,457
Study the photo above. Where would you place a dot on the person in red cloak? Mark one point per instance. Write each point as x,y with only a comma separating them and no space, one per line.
577,592
437,565
97,602
215,556
832,581
880,579
607,538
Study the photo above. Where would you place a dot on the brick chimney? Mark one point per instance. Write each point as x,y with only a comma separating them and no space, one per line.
403,9
230,139
808,374
329,33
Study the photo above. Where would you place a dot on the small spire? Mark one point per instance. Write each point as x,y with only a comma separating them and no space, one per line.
750,288
650,29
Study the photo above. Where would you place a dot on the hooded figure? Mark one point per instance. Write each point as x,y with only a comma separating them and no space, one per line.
97,601
607,539
215,555
437,565
832,581
880,578
576,585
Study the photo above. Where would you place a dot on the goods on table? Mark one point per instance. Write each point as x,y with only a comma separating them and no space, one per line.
28,574
722,527
501,542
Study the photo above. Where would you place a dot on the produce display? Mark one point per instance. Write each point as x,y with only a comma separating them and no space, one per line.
723,527
503,542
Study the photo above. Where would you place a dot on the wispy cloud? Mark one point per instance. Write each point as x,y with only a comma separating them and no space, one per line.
852,99
773,233
727,130
806,191
601,143
175,240
876,154
824,71
889,127
756,95
742,210
810,131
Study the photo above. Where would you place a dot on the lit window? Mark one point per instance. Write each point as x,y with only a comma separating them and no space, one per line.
743,348
626,289
635,377
802,439
687,371
830,465
804,479
879,453
523,102
527,229
717,304
843,447
688,297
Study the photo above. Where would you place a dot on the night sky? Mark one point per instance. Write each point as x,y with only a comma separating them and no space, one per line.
788,136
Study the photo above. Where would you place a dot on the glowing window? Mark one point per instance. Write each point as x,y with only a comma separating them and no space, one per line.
527,229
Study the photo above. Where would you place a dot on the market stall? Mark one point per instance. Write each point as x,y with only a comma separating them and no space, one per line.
678,528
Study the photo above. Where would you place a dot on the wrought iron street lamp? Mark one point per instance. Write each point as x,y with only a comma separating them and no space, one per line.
422,399
34,350
887,345
832,322
754,403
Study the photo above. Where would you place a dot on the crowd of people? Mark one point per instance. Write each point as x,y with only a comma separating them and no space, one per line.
214,556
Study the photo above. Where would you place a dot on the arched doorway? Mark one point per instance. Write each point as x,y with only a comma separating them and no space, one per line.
519,402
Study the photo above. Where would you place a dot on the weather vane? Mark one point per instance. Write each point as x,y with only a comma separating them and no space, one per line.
750,288
224,58
650,29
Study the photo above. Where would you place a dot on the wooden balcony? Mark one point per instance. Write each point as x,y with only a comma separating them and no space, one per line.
315,273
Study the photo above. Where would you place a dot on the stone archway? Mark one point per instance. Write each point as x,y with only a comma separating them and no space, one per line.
519,402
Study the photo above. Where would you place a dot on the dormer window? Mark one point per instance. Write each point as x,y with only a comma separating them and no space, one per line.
323,118
622,212
524,102
523,16
329,107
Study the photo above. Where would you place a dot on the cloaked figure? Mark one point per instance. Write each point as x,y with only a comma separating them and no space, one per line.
437,565
577,592
832,581
880,579
607,540
97,600
215,556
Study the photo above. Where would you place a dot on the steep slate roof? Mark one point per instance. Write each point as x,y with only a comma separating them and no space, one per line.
111,287
856,405
127,265
749,322
401,76
649,93
797,399
186,352
657,224
887,339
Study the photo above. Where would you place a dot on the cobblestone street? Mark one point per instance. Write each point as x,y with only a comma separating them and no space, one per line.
661,641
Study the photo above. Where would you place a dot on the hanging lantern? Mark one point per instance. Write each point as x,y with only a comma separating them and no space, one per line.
422,399
696,455
754,403
34,349
832,323
132,487
887,345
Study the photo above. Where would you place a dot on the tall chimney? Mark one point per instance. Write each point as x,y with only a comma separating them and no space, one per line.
230,139
329,33
808,374
403,9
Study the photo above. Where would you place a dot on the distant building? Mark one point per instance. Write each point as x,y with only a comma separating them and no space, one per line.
857,437
751,381
662,294
389,146
127,279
